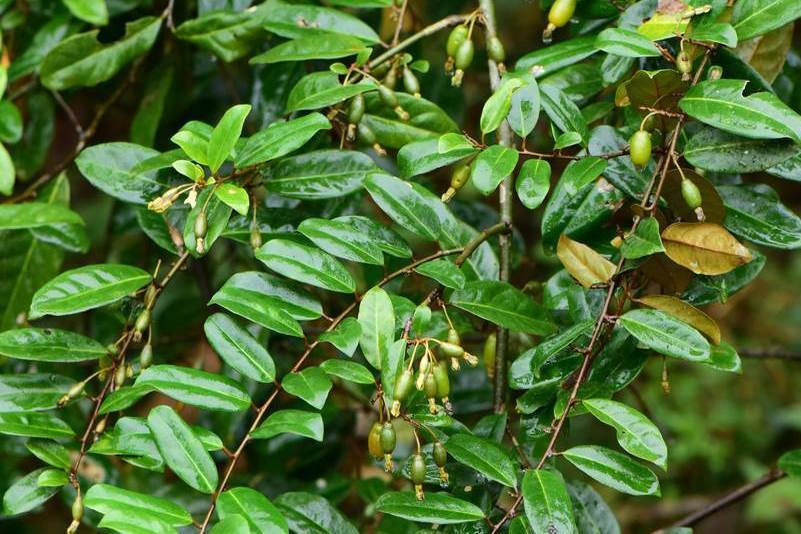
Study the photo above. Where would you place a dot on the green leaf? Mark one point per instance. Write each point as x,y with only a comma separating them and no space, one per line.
319,174
279,139
233,196
181,449
226,34
613,469
581,172
635,432
347,370
195,387
83,61
384,237
391,365
564,114
125,523
7,172
497,106
492,165
10,121
233,524
439,508
94,12
50,452
238,348
300,422
340,239
546,502
756,17
718,32
755,213
253,295
525,109
345,337
426,120
405,203
721,104
86,288
261,514
306,264
715,150
322,89
145,123
123,398
625,42
224,137
533,182
282,19
193,138
790,463
502,304
107,499
666,335
315,47
32,392
49,345
34,425
309,513
25,494
723,357
311,384
556,56
217,214
426,155
593,515
556,345
116,169
444,271
644,241
485,456
377,321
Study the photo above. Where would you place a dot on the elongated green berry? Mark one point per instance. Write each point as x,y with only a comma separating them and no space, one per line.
374,441
561,12
142,321
403,386
464,55
388,441
410,82
495,49
418,469
366,134
146,356
684,64
449,350
388,96
453,337
690,193
356,109
490,346
440,373
640,147
457,36
201,225
460,176
440,459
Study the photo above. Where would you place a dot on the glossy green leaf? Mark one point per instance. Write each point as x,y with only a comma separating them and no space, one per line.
49,345
440,508
384,237
755,213
123,398
625,42
557,344
485,456
581,172
666,335
347,370
94,12
225,135
613,469
300,422
719,32
427,155
228,35
32,392
108,499
126,523
282,20
323,89
498,105
644,241
193,138
533,182
790,463
34,425
756,17
7,172
279,139
546,502
233,196
377,321
525,107
50,452
721,104
426,120
723,357
564,114
405,203
86,288
444,271
306,512
260,513
502,304
492,165
25,494
635,432
342,240
311,384
233,524
345,336
556,56
306,264
255,293
116,169
714,150
83,61
319,174
203,389
238,348
181,449
315,47
592,514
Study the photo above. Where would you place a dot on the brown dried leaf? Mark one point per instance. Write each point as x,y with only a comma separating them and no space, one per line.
768,52
684,312
704,248
583,263
671,277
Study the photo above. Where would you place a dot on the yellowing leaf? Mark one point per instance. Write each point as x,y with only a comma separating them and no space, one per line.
704,248
684,312
663,25
583,263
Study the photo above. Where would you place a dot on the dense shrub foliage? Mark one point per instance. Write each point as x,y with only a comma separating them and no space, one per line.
364,265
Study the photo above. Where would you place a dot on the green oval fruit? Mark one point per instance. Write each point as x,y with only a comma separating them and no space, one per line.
640,147
410,82
391,78
366,134
449,350
146,356
490,346
430,386
683,63
356,109
201,225
561,12
388,96
418,469
255,238
453,337
495,49
691,193
142,321
440,373
403,385
388,438
440,454
374,441
457,36
464,56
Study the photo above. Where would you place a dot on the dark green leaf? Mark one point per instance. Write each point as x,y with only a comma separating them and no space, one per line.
279,139
225,135
405,203
320,174
34,425
345,337
533,182
114,168
644,241
502,304
427,155
564,114
593,515
25,494
323,89
756,17
491,166
444,272
238,348
32,392
755,213
546,502
340,239
261,514
581,172
227,34
49,345
666,335
624,42
306,264
613,469
790,463
315,47
439,508
306,512
302,423
552,58
195,387
108,499
311,384
485,456
282,19
377,321
427,120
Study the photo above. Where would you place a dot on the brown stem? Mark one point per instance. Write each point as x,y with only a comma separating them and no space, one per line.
776,353
447,22
464,253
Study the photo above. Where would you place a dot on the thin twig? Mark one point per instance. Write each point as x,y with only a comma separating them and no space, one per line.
399,25
773,353
447,22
